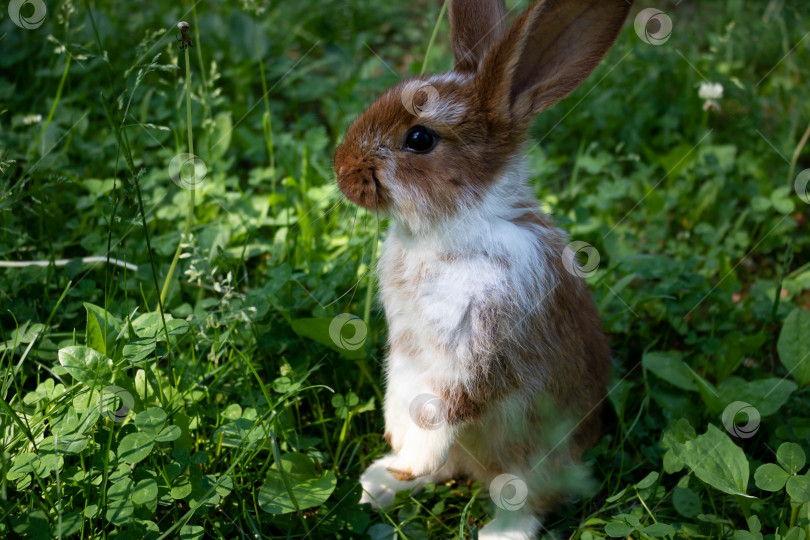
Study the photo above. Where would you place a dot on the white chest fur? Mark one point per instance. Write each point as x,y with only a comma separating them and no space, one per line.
429,282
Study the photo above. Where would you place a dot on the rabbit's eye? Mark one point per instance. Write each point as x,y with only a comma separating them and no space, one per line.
420,139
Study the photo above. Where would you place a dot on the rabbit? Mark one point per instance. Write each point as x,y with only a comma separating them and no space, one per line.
494,339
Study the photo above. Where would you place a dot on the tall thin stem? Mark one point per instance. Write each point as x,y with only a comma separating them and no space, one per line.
433,38
192,189
796,155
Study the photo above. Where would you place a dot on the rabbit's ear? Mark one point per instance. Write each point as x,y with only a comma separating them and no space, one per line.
552,47
475,25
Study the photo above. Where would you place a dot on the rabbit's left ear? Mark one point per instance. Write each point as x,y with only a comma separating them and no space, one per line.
547,53
474,26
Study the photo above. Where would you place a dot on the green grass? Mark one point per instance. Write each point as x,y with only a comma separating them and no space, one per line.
703,283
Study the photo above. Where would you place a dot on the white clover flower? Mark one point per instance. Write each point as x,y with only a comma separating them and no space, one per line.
32,119
710,90
710,93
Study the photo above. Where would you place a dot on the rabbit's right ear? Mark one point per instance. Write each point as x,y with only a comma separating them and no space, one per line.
552,47
474,26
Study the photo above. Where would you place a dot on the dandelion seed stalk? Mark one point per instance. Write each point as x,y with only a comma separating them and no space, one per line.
184,44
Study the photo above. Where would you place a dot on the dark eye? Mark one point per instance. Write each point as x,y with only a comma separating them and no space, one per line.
420,139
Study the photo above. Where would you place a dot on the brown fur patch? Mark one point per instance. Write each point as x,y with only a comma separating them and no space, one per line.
402,476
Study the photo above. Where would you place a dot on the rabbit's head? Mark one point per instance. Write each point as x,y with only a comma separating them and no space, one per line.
432,146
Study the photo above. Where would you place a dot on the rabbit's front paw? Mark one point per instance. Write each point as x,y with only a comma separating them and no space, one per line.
422,452
379,489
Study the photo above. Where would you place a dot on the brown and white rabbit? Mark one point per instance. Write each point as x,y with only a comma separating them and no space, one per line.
488,320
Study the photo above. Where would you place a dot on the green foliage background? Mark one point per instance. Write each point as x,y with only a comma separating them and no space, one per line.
244,418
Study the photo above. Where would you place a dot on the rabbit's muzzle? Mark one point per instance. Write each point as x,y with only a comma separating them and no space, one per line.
360,179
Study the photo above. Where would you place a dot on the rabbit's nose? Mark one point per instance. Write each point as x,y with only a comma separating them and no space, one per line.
342,161
345,162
